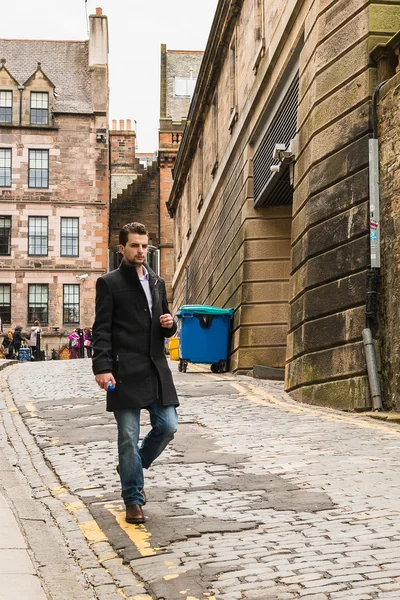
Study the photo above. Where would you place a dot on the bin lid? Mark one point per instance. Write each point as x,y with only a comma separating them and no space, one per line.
202,309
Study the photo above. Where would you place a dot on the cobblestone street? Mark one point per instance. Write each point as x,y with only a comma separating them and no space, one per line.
257,498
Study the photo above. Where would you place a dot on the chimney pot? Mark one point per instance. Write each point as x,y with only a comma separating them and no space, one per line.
114,124
99,11
121,124
128,124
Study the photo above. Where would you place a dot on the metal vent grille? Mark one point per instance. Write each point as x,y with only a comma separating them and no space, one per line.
267,190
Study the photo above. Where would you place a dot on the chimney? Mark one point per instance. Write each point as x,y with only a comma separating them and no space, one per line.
98,39
114,124
121,125
128,124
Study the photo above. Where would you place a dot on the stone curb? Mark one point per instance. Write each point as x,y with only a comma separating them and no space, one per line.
389,417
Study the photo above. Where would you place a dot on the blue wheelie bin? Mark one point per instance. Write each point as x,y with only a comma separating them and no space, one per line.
203,333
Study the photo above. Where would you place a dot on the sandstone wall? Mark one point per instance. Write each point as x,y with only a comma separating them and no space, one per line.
389,136
330,233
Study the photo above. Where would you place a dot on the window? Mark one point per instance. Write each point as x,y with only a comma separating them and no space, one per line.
274,186
5,107
38,236
184,86
71,304
39,108
5,236
5,167
69,236
153,259
5,303
38,169
38,303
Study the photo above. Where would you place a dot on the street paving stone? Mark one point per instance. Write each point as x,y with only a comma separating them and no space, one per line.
257,498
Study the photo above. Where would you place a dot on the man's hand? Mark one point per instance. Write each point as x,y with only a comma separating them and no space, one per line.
103,380
166,321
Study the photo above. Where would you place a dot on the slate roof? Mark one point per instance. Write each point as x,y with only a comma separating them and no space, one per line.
64,62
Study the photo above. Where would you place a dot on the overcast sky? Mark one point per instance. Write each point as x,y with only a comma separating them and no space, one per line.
137,28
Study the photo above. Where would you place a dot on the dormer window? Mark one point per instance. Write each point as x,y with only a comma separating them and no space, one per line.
5,107
39,108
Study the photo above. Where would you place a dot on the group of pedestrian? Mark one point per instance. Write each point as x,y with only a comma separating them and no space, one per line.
74,342
13,341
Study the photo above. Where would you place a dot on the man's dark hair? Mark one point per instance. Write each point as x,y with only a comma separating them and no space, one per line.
131,228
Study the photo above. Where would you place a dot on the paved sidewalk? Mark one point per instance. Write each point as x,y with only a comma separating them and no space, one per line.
34,563
18,576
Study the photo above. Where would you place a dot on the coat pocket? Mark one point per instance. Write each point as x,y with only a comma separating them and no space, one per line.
136,379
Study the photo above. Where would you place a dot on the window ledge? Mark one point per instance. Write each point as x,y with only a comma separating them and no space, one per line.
259,55
233,118
28,126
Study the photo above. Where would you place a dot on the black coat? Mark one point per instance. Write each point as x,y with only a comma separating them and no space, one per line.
129,342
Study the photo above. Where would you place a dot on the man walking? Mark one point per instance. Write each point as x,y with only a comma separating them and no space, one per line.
132,320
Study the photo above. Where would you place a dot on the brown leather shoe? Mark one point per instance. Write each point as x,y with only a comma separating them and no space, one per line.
134,514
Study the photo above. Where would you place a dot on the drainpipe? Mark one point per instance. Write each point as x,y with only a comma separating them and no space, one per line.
373,276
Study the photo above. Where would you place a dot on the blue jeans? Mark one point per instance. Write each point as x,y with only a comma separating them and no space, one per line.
132,459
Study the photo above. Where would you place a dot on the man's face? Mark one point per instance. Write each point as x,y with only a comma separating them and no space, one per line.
135,250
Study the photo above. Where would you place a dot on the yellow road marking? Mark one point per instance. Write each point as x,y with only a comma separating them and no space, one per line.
92,531
138,534
31,408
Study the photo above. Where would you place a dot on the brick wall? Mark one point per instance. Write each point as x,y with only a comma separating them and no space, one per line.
78,187
75,136
139,202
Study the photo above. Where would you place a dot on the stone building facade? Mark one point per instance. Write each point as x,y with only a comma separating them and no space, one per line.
134,192
277,148
179,71
387,58
54,183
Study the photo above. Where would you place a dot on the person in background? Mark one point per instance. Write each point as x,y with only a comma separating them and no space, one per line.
8,344
74,343
17,339
87,341
35,330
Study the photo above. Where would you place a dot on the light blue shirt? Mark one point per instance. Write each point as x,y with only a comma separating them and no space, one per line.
145,281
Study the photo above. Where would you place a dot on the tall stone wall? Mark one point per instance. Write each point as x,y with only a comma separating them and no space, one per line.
138,202
389,136
330,243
